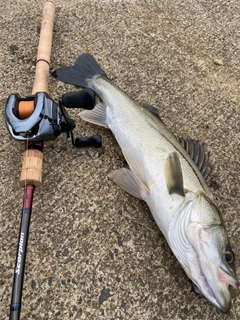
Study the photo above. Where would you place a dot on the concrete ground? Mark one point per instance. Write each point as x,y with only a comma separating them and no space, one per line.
94,251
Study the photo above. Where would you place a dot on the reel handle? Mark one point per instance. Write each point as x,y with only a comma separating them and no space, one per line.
84,99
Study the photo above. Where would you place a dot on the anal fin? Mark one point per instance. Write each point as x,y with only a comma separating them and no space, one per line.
97,115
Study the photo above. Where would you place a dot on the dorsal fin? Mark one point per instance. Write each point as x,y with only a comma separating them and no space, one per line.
151,108
198,154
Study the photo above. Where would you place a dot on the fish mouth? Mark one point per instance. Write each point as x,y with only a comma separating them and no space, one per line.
213,299
221,299
234,291
233,286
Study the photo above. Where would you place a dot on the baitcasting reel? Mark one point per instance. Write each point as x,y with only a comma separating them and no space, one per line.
39,118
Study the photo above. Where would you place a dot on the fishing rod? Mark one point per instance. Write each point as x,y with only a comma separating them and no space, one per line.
33,120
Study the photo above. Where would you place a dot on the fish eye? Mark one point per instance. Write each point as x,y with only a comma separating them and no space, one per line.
229,256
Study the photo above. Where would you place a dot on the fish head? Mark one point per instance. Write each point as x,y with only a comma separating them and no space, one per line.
214,270
203,249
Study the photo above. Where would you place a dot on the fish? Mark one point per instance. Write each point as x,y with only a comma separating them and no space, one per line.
170,175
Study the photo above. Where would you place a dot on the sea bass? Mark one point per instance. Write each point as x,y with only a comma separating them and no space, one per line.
166,177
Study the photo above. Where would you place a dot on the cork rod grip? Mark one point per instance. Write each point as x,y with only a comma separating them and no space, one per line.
44,48
32,159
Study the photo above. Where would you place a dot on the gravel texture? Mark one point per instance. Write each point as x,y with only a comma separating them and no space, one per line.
94,251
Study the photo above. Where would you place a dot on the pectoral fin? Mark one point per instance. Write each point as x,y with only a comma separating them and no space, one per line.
127,180
173,174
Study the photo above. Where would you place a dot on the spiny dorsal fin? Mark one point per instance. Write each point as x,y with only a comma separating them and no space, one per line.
173,174
200,157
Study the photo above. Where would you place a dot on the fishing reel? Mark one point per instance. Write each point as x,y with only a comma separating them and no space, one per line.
39,118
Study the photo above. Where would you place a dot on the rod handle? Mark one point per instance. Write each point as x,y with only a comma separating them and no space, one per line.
32,159
44,48
31,168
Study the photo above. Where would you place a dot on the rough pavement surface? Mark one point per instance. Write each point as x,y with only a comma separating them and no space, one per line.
94,251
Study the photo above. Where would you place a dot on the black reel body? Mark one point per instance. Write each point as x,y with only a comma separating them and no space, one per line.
48,119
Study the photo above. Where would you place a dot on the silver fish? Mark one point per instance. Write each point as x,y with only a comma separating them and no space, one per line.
164,175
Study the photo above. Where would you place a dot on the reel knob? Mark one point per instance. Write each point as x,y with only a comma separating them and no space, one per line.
81,99
93,141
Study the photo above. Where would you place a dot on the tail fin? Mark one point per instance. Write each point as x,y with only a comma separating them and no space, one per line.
85,67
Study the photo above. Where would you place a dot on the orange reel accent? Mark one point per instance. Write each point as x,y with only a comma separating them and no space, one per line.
25,109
